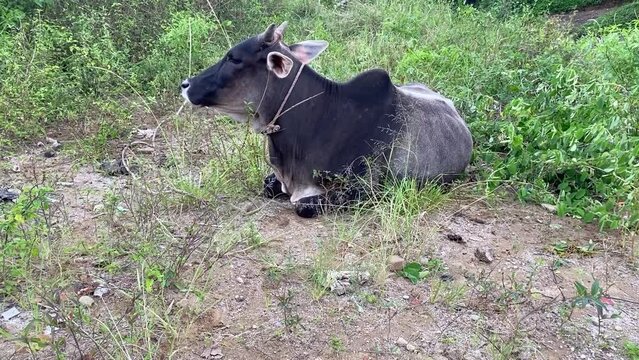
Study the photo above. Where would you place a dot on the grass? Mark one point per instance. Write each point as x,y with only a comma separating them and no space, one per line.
621,17
553,118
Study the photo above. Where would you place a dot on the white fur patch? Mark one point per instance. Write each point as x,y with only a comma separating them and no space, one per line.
305,192
185,96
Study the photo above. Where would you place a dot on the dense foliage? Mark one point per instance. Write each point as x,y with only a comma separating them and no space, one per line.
555,115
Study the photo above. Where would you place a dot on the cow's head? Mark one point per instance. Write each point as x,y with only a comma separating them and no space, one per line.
239,79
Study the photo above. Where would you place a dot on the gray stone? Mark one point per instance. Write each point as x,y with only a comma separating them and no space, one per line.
395,263
100,291
485,254
86,301
550,208
13,312
401,342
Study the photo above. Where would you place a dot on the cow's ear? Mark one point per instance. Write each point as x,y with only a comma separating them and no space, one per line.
273,34
308,50
279,64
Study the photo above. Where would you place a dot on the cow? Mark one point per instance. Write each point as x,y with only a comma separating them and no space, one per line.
319,129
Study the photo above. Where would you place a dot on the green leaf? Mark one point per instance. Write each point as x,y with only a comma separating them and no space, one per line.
581,289
412,271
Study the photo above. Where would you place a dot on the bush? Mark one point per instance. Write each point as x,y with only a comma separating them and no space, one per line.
555,115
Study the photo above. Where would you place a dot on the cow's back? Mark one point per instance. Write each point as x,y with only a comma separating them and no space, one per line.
435,142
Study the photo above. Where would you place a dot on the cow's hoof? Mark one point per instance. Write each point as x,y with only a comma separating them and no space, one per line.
308,207
272,187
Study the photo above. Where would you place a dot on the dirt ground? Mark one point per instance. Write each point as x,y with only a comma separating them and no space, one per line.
582,16
514,307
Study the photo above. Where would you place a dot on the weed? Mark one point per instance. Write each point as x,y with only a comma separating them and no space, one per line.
25,234
632,350
336,344
285,303
415,272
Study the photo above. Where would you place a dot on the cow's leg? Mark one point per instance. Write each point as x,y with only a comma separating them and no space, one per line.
341,199
311,206
272,187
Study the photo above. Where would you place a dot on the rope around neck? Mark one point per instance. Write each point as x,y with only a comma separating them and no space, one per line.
272,127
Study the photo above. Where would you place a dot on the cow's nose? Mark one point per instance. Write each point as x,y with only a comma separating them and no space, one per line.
185,84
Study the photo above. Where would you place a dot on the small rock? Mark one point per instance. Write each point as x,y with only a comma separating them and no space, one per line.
594,320
55,145
405,297
339,282
550,208
8,194
424,260
456,238
145,150
145,133
582,356
212,353
485,254
13,312
49,154
401,342
446,277
239,298
618,328
40,144
86,301
100,291
114,167
239,280
474,317
48,330
395,263
411,347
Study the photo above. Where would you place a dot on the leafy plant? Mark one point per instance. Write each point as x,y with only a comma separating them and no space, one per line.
632,350
24,233
415,272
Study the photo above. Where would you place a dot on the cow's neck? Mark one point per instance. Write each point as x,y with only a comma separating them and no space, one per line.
316,135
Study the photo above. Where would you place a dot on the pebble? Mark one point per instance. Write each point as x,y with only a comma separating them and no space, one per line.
395,263
49,154
401,342
405,297
456,238
239,298
618,328
446,277
86,301
13,312
100,291
239,280
550,208
485,254
410,347
474,317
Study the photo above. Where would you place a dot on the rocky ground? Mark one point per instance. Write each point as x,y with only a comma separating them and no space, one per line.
500,283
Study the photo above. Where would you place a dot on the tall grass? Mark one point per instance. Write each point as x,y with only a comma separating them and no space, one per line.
553,113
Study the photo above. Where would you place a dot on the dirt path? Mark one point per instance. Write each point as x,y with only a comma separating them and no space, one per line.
261,302
581,16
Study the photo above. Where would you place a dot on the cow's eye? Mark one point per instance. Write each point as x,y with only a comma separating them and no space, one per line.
230,58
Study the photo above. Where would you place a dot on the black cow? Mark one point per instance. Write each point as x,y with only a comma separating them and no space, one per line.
316,126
